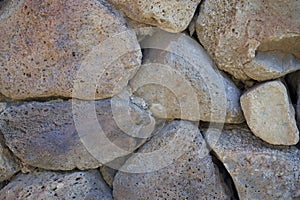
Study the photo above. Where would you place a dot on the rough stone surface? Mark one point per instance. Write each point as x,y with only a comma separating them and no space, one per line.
109,170
293,80
271,65
44,134
179,80
44,45
172,16
192,175
270,114
233,31
259,170
57,185
9,165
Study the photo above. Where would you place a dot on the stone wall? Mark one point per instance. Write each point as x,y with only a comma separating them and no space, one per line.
131,99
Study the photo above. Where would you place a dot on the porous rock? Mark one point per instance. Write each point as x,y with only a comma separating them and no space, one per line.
189,175
9,164
178,80
270,114
259,170
233,32
51,135
172,15
57,185
48,46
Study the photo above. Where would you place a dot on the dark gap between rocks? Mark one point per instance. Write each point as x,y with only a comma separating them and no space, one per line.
3,3
225,176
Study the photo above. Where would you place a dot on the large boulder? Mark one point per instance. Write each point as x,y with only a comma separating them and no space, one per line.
172,15
239,34
179,80
60,136
174,164
259,170
57,185
49,47
270,114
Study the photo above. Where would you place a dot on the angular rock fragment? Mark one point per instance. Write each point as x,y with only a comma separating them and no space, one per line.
259,170
47,47
271,65
57,185
270,114
172,15
179,80
9,165
56,136
235,32
174,164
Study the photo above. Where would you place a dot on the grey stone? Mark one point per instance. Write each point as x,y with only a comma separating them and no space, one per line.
178,80
172,15
235,32
271,65
57,185
269,113
65,49
63,135
179,167
9,164
259,170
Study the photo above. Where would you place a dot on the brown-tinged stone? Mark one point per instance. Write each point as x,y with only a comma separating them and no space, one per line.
179,167
259,170
235,32
172,15
269,113
44,44
57,185
9,165
179,80
60,136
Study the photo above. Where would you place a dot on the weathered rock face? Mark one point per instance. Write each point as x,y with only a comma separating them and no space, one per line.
270,114
46,135
259,170
9,165
56,185
179,80
293,80
172,16
232,32
191,175
44,45
271,65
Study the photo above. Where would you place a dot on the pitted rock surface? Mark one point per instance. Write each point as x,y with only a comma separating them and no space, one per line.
57,185
234,31
173,16
45,135
259,170
192,175
45,44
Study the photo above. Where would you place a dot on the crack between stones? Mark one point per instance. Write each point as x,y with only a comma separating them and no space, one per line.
225,176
